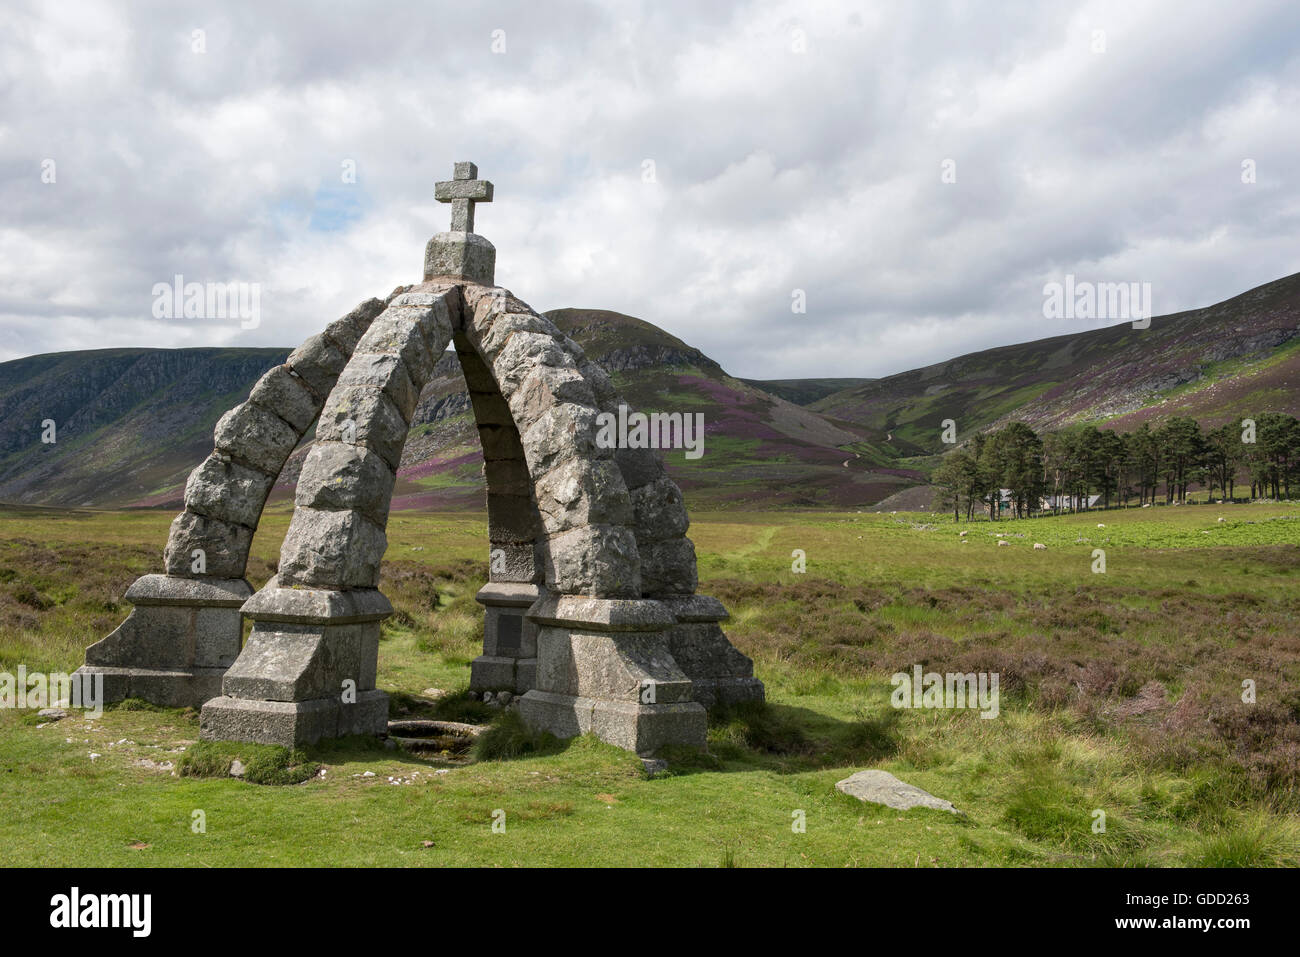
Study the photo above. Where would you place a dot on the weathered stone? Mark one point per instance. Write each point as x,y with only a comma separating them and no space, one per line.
697,608
338,476
298,662
255,437
509,657
396,333
418,334
590,654
382,373
488,673
366,417
640,728
603,667
602,614
463,192
547,386
618,666
318,362
167,642
497,321
292,723
639,466
483,302
719,673
167,688
881,787
659,512
607,398
435,309
668,568
224,546
225,490
287,396
500,442
512,518
331,550
175,645
209,592
478,375
523,354
514,562
491,409
560,432
580,492
460,255
317,605
571,347
596,560
507,476
347,332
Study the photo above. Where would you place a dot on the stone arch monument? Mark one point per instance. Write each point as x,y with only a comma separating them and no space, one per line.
590,610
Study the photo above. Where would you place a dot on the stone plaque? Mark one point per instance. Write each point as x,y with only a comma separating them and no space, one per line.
509,631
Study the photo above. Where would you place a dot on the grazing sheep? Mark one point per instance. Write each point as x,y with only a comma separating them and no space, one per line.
1002,541
1039,545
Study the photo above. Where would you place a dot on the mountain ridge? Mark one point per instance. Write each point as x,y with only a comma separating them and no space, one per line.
132,422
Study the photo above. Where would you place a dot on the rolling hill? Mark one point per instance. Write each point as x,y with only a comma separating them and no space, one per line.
133,422
1213,364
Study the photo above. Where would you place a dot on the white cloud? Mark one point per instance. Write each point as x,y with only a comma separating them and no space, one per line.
775,169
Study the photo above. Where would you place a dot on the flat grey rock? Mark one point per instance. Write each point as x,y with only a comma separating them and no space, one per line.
881,787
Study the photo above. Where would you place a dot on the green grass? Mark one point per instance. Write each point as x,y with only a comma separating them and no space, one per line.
262,763
1199,779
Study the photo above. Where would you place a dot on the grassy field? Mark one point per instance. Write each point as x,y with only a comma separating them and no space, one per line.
1121,693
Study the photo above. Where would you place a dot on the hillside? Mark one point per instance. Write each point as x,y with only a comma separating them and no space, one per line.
759,450
1238,356
805,391
132,423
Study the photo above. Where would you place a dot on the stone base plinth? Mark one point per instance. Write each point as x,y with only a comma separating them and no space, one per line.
292,723
719,674
723,692
642,728
509,659
176,644
603,667
307,672
188,688
516,675
459,255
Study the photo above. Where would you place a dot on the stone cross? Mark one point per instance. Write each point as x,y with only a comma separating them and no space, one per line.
463,191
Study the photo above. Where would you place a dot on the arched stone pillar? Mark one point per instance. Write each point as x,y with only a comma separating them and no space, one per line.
590,540
515,576
308,670
186,628
719,674
602,659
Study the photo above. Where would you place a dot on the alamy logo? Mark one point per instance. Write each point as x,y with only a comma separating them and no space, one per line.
37,690
1101,300
658,430
72,910
953,690
208,300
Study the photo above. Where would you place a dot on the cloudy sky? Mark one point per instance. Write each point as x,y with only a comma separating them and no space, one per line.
692,164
